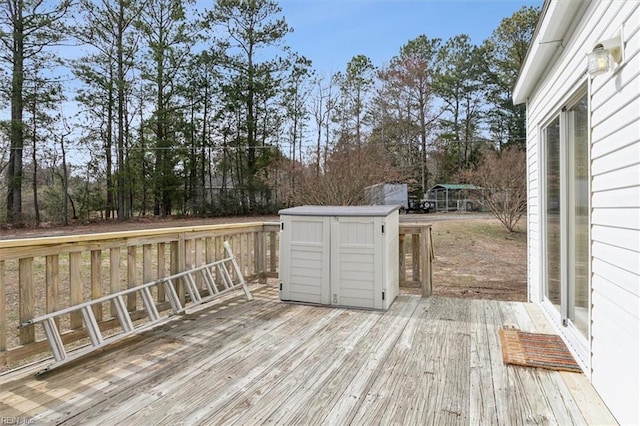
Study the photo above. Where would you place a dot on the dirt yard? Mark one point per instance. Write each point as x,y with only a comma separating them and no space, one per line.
476,258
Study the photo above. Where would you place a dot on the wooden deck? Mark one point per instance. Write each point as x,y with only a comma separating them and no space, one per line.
425,361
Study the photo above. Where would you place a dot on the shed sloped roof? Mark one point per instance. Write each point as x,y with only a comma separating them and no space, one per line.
454,186
340,210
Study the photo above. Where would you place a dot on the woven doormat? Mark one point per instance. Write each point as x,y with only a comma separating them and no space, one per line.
536,350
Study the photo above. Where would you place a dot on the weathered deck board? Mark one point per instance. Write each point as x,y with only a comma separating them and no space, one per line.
262,362
378,403
229,334
359,386
425,361
583,396
482,402
499,375
124,364
334,375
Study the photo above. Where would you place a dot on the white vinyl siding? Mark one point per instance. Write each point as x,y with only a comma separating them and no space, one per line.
616,242
533,216
614,100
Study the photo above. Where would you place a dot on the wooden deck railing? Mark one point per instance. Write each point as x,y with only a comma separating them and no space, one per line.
416,256
42,275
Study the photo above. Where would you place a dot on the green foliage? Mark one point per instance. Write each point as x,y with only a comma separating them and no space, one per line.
169,38
27,28
244,31
108,26
405,104
355,86
458,84
504,54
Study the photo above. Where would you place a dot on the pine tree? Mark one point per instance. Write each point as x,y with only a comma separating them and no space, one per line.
27,29
243,32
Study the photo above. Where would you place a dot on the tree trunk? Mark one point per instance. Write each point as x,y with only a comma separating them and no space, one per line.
251,130
161,134
14,171
143,206
121,101
193,202
34,159
108,141
203,143
423,141
65,183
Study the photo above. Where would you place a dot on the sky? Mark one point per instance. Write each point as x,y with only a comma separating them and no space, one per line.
331,32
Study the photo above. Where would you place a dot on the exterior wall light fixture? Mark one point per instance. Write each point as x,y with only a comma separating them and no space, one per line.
604,54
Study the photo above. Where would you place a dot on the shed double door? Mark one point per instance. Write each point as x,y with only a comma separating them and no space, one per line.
332,260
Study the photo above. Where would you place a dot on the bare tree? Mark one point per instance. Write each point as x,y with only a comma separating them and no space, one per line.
501,179
407,98
347,172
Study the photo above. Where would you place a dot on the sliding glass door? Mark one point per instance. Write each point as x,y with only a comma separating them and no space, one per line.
578,215
566,214
553,202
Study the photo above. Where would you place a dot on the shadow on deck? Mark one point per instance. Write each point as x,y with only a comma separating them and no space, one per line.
425,361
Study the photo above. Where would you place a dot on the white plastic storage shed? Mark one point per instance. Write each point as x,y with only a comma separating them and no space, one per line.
342,256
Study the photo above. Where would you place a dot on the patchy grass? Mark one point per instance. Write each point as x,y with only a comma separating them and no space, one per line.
477,258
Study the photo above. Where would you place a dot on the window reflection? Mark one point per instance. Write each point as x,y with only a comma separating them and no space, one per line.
552,149
579,216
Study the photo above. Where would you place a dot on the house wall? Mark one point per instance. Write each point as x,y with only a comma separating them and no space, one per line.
614,365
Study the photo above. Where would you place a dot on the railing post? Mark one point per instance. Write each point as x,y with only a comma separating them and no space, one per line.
402,259
147,270
131,278
177,265
218,254
162,270
188,255
75,285
52,283
421,256
96,281
261,254
425,262
3,318
234,242
197,259
243,254
114,276
416,257
273,252
26,298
